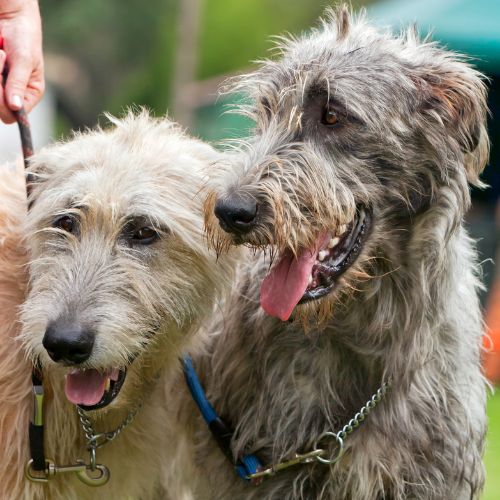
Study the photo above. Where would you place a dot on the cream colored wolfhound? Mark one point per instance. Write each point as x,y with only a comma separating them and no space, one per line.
120,279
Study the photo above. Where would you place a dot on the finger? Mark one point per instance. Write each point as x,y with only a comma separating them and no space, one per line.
31,99
34,92
5,114
17,80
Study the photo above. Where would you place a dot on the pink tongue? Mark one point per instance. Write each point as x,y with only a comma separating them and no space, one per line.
85,387
284,286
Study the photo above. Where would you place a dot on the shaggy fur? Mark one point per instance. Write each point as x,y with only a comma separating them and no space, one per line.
15,370
142,301
410,134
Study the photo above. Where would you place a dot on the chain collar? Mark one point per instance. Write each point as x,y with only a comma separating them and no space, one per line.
96,440
327,455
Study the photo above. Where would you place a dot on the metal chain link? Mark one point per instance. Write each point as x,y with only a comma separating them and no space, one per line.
364,412
94,440
338,441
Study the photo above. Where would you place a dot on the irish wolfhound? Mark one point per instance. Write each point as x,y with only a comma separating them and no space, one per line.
356,183
120,278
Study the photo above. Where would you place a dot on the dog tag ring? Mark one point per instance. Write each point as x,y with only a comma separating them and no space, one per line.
87,476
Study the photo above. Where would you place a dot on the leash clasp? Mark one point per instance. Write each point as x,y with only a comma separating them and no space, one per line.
319,454
97,476
298,458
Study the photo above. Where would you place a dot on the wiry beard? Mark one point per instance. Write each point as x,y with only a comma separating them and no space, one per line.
297,199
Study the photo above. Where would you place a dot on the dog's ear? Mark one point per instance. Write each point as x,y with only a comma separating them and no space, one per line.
457,93
338,19
342,18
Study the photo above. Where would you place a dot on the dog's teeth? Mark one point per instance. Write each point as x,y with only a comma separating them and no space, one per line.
309,281
322,255
108,384
342,229
333,242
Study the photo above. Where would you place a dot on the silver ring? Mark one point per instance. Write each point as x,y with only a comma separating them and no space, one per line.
93,459
340,448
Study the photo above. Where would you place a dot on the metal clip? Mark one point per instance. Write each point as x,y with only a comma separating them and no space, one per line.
83,472
318,454
298,458
39,476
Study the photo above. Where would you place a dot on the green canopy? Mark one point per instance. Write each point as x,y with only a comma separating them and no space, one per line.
468,26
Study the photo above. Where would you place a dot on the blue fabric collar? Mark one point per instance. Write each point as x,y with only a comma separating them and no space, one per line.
244,465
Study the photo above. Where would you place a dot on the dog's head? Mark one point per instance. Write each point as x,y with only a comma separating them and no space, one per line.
119,270
358,134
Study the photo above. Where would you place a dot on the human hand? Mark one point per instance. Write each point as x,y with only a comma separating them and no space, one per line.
21,30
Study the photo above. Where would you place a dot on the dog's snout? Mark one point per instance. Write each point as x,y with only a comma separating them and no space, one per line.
236,213
68,343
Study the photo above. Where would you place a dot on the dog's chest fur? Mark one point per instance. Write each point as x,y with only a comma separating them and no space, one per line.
280,387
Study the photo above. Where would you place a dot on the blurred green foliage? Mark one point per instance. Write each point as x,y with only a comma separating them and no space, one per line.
126,48
235,32
215,122
492,456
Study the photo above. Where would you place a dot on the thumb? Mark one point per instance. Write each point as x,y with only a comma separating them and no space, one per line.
17,80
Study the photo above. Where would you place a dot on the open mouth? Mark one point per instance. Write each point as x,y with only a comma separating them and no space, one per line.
313,273
92,389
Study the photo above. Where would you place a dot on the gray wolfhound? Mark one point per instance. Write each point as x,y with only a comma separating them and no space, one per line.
120,278
355,184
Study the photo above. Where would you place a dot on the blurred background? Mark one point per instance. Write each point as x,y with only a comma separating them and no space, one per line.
172,55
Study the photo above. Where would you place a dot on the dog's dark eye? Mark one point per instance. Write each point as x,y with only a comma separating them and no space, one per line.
145,236
330,118
66,223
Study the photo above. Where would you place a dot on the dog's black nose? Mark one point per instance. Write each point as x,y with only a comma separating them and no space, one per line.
68,343
236,213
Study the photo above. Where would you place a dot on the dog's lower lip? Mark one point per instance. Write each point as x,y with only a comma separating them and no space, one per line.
329,271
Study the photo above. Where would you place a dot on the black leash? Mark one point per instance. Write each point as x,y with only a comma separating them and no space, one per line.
36,434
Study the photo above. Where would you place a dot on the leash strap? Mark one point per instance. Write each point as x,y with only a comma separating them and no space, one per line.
25,133
246,464
36,426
